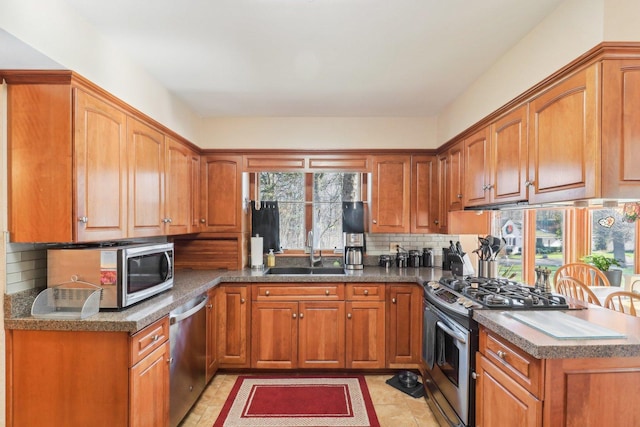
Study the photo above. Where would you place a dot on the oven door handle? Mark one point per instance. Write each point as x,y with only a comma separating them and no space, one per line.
451,332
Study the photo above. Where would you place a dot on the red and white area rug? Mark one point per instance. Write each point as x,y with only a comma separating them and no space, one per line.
269,401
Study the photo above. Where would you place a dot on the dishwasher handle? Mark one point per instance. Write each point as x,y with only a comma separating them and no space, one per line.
175,318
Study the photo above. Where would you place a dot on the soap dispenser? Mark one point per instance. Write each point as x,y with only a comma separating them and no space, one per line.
271,259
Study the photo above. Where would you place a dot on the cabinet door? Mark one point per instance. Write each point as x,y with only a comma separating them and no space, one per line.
442,219
456,176
508,171
365,328
177,213
100,155
500,401
564,144
149,388
321,339
390,198
423,194
146,179
274,334
404,325
222,193
476,168
212,334
197,221
621,128
233,326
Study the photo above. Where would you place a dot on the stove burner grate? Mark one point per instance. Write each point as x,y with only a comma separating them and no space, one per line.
505,294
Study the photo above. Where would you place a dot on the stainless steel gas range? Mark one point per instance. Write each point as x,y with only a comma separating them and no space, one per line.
450,339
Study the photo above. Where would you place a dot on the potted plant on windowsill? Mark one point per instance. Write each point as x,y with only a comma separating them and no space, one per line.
604,263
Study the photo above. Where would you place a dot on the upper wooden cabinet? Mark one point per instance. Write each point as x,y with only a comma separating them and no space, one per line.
67,165
564,144
182,165
223,190
390,197
477,168
146,179
441,220
83,166
621,128
496,161
455,166
424,195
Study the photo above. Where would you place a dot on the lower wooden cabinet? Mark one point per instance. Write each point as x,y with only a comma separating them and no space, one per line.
501,401
78,379
365,326
404,325
212,334
150,389
233,311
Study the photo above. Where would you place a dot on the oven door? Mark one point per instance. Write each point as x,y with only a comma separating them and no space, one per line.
447,355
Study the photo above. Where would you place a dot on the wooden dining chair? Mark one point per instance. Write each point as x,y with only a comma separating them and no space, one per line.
576,289
586,273
624,302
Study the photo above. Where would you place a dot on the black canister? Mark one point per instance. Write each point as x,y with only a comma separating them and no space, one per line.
414,258
401,260
427,257
385,261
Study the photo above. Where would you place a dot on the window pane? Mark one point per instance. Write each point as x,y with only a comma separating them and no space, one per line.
550,238
330,189
510,224
612,237
287,188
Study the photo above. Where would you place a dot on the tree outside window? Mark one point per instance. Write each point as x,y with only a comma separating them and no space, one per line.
612,237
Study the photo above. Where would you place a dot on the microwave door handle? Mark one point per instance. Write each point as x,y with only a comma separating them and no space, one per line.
168,275
451,332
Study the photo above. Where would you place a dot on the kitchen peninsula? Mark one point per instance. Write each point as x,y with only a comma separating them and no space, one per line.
512,350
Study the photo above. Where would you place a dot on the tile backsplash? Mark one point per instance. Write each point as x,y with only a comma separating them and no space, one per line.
27,262
26,266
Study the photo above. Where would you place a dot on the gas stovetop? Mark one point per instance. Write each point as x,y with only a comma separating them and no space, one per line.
473,293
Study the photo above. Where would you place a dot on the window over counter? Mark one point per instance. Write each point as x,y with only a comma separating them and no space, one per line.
613,234
310,201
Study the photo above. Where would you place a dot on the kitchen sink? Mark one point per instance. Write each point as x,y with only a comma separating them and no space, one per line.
305,270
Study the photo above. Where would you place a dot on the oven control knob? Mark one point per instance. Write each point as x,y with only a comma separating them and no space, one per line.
434,285
465,302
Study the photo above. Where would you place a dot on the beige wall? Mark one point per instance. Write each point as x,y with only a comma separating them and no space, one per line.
319,133
573,28
54,29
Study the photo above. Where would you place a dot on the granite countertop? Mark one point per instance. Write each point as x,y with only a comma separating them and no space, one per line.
543,346
189,284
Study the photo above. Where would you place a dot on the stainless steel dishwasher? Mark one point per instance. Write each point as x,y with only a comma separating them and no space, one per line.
187,338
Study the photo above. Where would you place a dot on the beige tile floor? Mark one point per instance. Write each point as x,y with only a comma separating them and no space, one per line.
393,407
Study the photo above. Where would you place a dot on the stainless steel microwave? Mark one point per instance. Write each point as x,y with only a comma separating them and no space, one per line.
127,274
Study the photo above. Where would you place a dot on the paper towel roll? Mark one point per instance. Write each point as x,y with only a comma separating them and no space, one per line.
256,252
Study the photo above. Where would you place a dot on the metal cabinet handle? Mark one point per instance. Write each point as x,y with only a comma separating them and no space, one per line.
375,221
393,300
295,315
202,220
83,219
459,196
475,375
209,306
170,360
348,315
502,354
155,338
529,183
326,292
241,300
301,315
267,293
366,291
436,222
489,186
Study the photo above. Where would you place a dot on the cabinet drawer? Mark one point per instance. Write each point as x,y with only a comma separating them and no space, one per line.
523,368
364,292
283,292
145,341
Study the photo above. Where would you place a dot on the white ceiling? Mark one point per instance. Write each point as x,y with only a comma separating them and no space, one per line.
315,57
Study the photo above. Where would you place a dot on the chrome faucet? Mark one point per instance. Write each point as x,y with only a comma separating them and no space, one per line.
315,262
